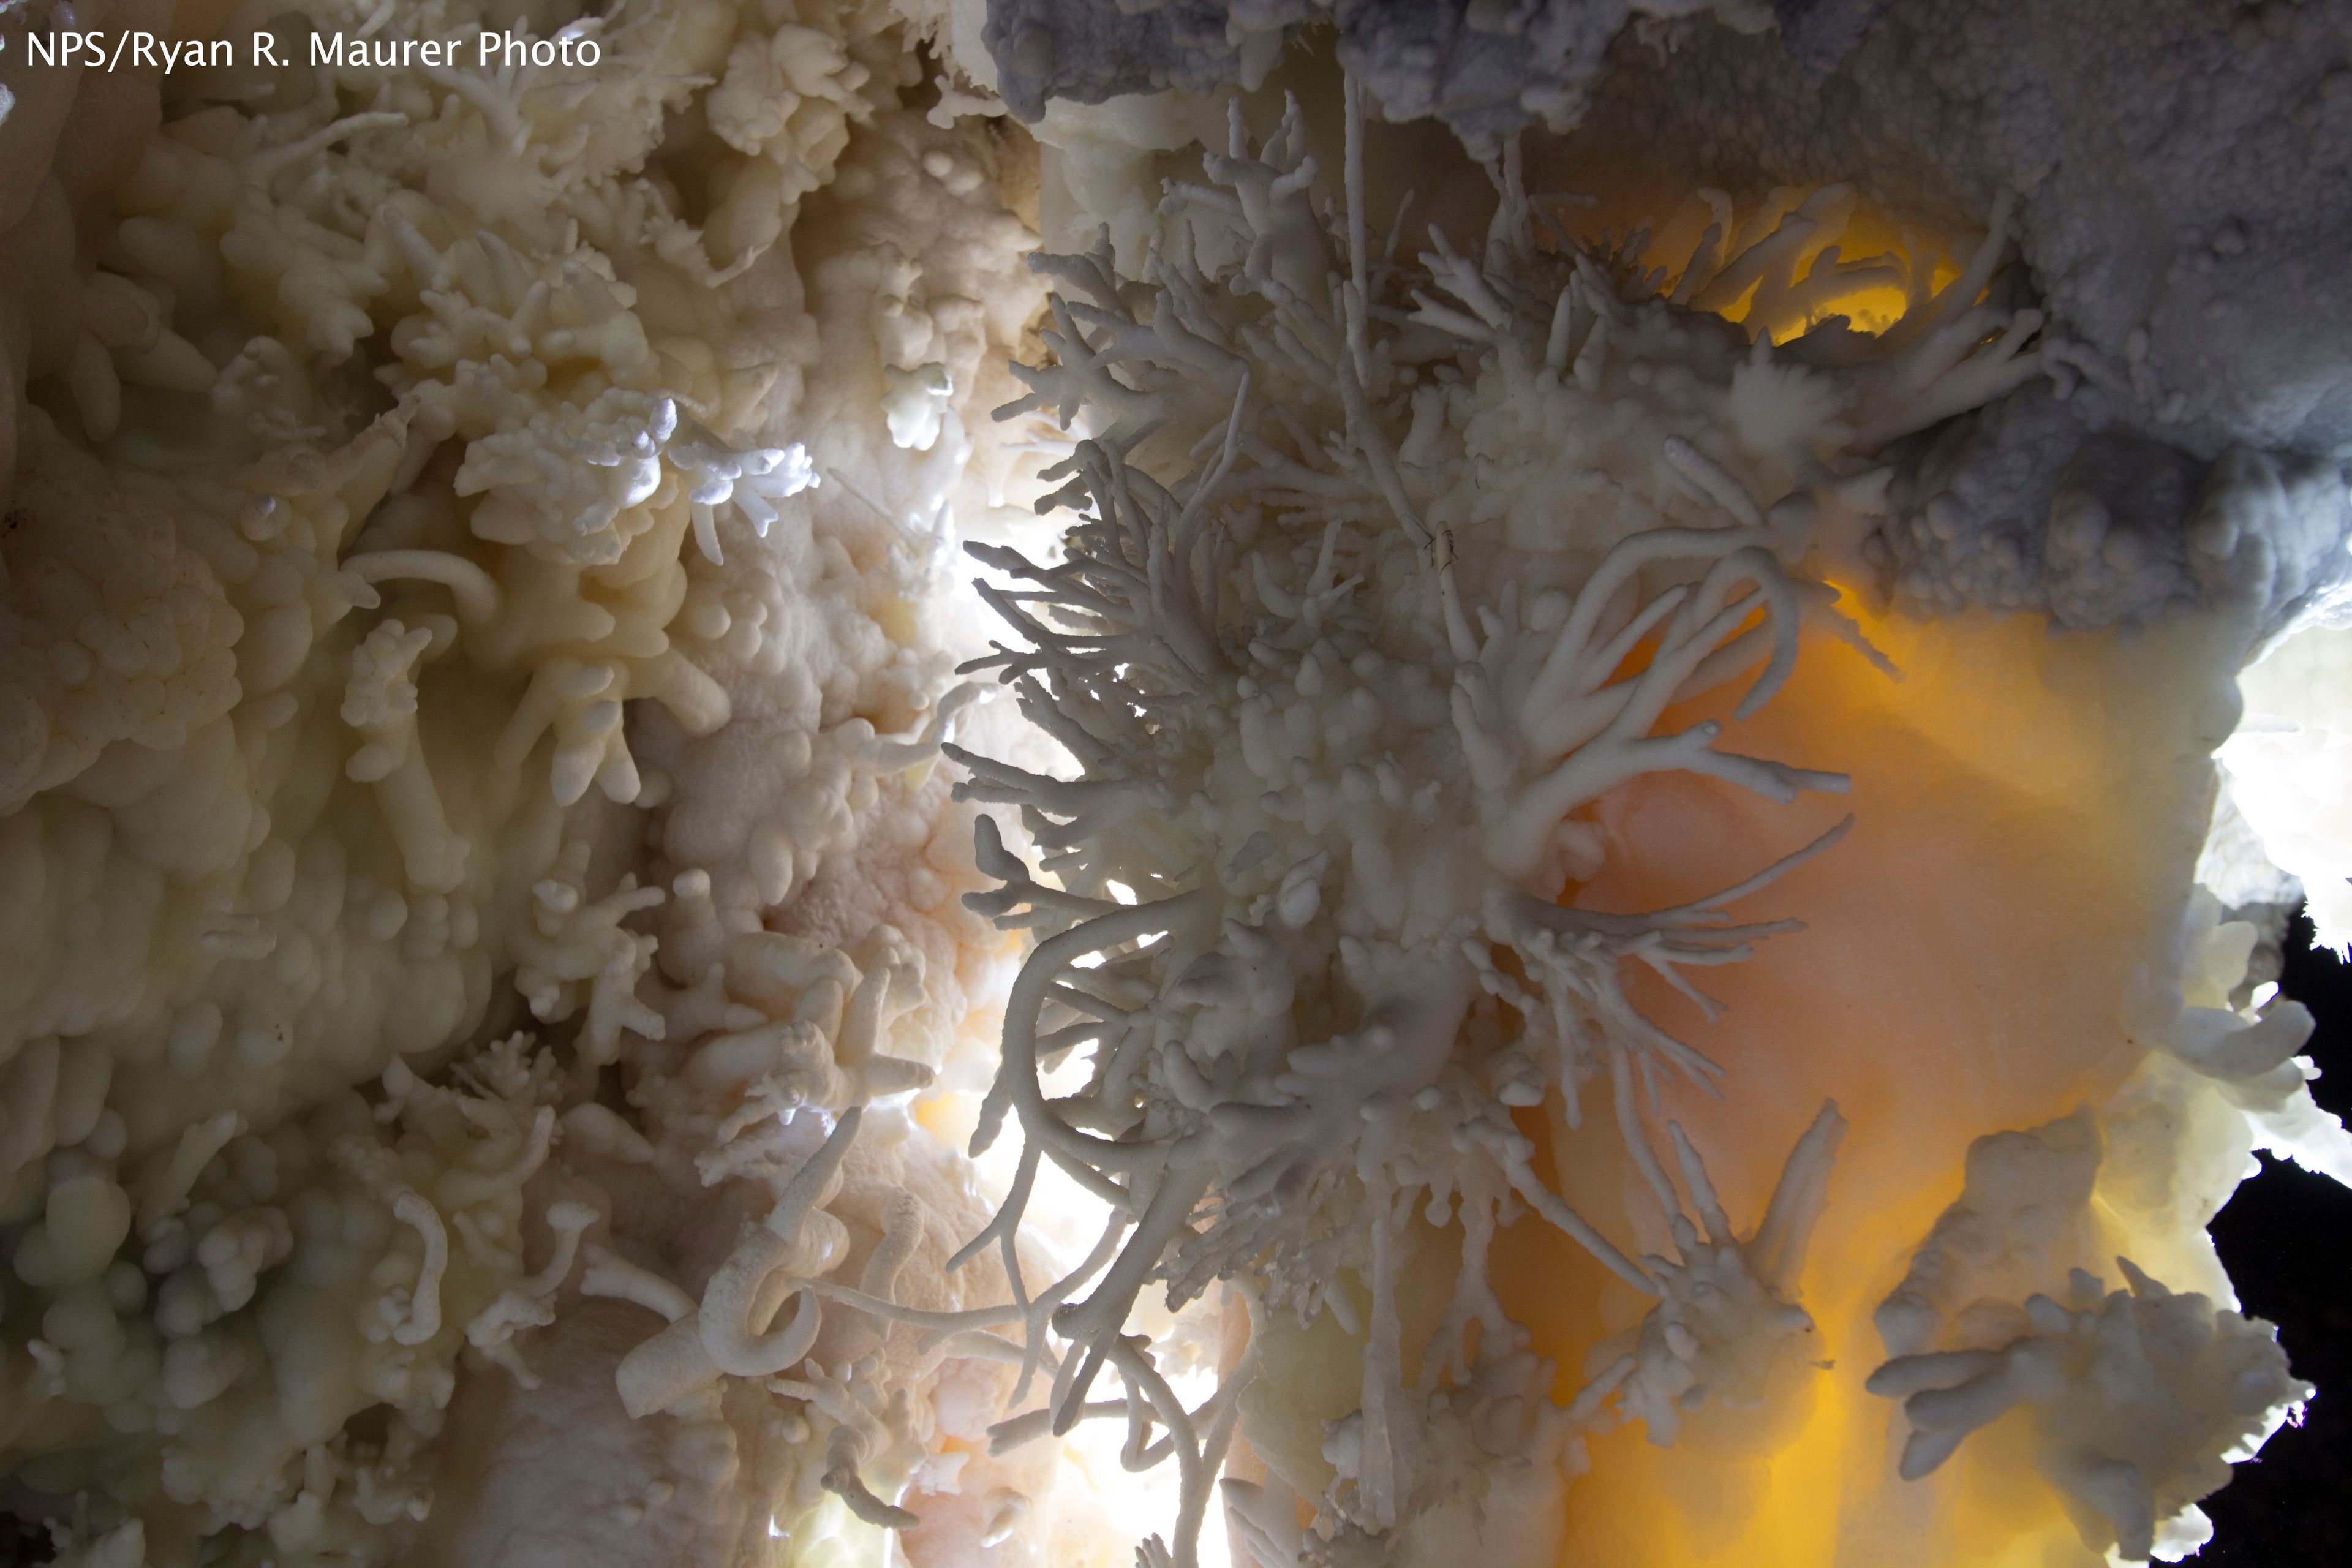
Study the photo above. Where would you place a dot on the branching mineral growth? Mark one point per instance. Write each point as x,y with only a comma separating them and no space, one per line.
1483,927
2179,203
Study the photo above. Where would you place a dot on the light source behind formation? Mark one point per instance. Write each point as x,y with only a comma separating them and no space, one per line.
745,818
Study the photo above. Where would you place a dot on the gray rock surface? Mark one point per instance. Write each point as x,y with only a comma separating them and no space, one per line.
1090,50
2185,216
2058,506
2182,167
1817,34
1487,67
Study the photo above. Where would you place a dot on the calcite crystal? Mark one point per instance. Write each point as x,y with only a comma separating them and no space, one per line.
746,820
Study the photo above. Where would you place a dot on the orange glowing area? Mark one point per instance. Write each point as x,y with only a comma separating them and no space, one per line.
1982,952
1976,956
1828,253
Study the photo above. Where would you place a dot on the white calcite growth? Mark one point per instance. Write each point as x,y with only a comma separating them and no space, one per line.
1339,646
1726,1331
375,435
2250,1056
2135,1401
491,952
2140,1401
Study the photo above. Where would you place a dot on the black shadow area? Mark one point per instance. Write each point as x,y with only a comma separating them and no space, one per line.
2286,1240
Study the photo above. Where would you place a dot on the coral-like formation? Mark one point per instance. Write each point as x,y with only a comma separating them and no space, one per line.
1381,575
2139,1398
509,905
2142,1394
384,429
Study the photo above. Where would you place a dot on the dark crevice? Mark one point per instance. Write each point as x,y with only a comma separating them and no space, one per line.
2282,1239
23,1543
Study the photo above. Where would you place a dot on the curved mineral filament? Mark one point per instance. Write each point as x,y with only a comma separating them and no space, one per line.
423,1320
